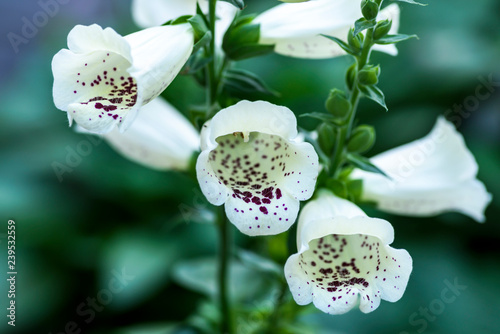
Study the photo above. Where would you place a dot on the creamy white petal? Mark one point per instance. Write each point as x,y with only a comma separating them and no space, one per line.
151,13
295,28
101,87
344,260
251,163
429,176
147,13
160,138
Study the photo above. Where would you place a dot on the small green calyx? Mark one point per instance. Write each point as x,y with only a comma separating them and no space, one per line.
369,9
362,139
368,76
355,42
382,28
338,105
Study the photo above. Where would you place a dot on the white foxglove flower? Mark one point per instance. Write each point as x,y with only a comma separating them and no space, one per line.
344,258
150,13
429,176
251,163
295,29
160,138
104,78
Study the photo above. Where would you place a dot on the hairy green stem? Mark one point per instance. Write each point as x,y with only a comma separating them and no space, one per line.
343,133
224,252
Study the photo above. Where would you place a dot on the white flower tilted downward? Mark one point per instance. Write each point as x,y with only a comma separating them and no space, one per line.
344,258
150,13
250,162
429,176
295,28
104,79
160,138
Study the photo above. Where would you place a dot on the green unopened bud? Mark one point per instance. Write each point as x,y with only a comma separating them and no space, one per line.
326,138
338,187
382,28
337,104
355,41
369,9
362,139
368,75
350,76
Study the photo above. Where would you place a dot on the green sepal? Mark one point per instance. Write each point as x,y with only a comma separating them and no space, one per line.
240,4
338,187
368,76
375,94
364,164
202,42
350,76
369,9
343,45
382,28
393,39
363,24
412,2
199,25
241,40
196,62
338,105
246,82
355,190
326,138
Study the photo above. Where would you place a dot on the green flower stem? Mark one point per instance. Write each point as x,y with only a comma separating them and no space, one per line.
213,81
224,252
343,132
273,319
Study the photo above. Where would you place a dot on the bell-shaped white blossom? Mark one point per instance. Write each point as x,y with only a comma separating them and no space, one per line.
344,258
104,78
429,176
295,28
150,13
251,163
160,138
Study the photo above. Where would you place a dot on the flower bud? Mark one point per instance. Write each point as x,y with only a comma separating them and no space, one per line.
326,138
362,139
369,9
337,104
350,76
368,75
355,42
241,41
382,28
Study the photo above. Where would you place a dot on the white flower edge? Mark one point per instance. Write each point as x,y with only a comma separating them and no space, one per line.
251,162
150,13
345,260
295,29
103,79
429,176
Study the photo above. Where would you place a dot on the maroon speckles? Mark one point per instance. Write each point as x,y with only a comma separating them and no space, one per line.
278,193
263,209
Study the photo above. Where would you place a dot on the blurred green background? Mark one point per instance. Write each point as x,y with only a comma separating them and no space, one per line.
110,215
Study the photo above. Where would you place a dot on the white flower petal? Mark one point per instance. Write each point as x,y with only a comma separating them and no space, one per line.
295,28
429,176
343,260
101,87
160,138
151,13
250,162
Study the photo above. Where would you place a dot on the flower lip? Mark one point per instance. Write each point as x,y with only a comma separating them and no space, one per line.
250,163
345,260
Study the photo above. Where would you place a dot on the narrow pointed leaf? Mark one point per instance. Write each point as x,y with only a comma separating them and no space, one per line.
393,39
247,82
237,3
341,43
364,164
374,94
412,2
322,117
363,24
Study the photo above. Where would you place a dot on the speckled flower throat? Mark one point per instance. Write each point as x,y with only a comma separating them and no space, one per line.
348,265
105,89
252,170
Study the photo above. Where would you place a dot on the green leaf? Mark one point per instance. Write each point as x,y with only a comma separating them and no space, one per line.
355,189
203,41
412,2
237,3
196,62
393,39
342,44
364,164
322,117
374,94
363,24
199,25
247,82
